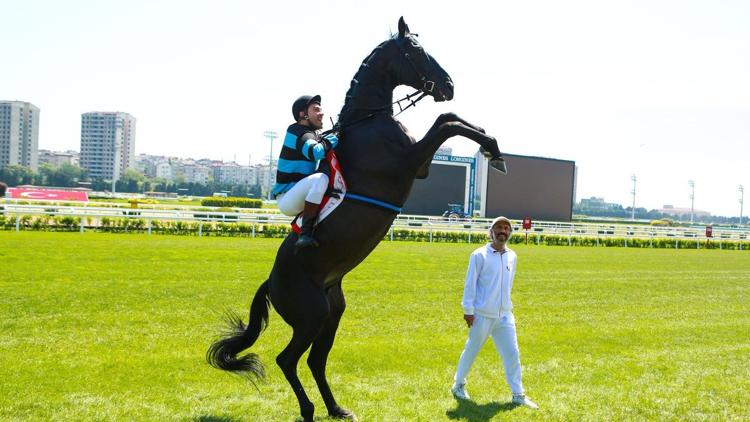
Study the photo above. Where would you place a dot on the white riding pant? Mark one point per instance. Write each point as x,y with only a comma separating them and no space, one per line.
310,189
503,333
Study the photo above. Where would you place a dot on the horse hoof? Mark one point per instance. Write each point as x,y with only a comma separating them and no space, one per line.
499,165
343,414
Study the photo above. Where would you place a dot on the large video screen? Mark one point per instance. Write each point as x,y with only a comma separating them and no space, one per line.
540,188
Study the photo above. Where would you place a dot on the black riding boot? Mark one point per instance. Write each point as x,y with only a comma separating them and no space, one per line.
309,215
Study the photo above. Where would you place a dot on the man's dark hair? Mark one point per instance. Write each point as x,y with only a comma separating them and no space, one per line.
3,188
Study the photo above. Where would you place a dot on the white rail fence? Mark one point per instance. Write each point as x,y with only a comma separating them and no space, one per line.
91,216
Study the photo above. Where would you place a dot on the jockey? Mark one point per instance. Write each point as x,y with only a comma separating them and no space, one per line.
299,186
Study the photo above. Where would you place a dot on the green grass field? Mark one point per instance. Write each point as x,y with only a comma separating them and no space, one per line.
115,327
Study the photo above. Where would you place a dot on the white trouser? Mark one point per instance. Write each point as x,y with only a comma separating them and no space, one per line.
503,333
310,189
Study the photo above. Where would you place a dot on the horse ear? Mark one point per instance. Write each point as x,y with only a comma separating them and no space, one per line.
403,28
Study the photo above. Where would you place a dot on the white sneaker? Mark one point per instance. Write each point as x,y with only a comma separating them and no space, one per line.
522,400
459,392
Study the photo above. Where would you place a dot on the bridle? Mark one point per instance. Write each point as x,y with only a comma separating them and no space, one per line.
427,85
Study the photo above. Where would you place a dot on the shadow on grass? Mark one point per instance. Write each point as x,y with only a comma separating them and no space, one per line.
209,418
470,411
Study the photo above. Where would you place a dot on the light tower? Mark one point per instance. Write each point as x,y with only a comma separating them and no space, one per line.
632,210
691,183
742,200
270,135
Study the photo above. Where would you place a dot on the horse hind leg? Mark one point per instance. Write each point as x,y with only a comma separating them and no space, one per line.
310,315
322,345
288,359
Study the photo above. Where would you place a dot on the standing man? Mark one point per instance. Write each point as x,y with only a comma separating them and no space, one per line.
299,186
488,311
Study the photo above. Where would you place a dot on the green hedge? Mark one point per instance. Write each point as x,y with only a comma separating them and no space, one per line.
190,228
232,202
218,228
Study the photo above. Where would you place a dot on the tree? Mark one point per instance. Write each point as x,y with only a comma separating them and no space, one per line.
131,181
66,175
15,175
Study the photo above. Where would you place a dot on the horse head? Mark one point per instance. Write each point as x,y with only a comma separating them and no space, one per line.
399,60
411,65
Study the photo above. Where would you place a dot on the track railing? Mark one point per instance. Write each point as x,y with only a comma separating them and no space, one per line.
91,215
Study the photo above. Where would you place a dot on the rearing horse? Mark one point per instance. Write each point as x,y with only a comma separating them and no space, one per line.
380,161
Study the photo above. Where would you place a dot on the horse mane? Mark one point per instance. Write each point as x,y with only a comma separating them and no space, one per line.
362,73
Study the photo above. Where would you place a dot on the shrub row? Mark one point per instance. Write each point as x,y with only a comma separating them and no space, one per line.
42,223
208,228
232,202
217,228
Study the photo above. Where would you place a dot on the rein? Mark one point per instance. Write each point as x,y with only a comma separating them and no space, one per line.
337,127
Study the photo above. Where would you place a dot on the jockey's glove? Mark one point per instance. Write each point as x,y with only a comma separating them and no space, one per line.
329,141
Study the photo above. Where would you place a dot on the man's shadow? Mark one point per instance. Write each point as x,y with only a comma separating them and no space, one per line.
468,410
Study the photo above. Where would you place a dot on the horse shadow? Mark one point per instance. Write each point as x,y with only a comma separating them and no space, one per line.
471,411
211,418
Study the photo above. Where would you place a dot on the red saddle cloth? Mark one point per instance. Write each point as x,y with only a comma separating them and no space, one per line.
336,183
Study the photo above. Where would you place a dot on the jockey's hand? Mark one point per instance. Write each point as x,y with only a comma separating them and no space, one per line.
469,320
330,141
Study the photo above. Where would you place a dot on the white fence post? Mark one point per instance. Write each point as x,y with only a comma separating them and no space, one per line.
570,235
18,222
148,223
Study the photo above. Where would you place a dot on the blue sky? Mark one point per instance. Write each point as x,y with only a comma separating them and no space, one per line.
653,88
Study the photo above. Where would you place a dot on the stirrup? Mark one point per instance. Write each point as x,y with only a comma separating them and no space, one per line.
305,241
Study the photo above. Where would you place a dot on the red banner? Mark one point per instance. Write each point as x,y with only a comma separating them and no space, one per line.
48,194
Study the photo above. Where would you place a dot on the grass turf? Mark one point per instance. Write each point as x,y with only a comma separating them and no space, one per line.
115,327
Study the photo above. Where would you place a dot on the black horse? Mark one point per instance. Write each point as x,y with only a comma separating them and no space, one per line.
380,161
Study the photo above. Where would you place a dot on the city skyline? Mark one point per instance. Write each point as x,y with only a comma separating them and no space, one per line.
127,146
655,89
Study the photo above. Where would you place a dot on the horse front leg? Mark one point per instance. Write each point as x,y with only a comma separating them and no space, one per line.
446,126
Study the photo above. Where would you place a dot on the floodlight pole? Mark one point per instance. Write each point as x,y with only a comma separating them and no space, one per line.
270,135
632,210
691,183
742,200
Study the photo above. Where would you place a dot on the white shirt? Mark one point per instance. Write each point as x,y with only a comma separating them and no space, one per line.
489,281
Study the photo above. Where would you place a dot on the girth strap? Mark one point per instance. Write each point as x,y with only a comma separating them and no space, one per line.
372,201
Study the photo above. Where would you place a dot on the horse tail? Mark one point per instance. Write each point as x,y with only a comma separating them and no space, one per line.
222,354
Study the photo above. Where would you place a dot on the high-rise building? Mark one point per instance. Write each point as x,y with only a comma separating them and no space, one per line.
107,144
19,134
